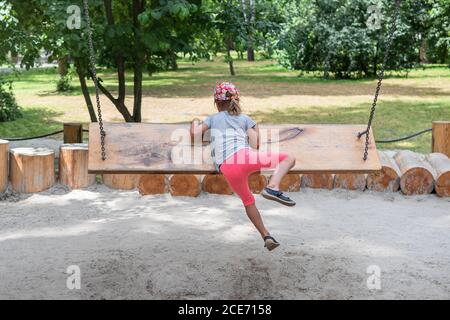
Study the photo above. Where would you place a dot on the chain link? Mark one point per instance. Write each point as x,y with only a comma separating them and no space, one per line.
94,77
380,79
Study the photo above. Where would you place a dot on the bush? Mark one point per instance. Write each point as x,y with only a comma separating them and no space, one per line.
9,110
63,84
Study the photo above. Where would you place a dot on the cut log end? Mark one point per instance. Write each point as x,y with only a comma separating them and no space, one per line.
441,164
416,181
417,175
257,182
184,185
388,178
318,181
216,183
291,182
350,181
152,184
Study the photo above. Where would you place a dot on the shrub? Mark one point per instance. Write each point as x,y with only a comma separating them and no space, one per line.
9,110
63,84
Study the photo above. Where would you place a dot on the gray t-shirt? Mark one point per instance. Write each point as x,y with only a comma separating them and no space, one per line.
228,134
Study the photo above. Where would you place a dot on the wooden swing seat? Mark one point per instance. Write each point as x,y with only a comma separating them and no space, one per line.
152,148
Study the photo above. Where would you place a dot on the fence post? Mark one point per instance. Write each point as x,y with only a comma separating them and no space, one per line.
73,133
441,137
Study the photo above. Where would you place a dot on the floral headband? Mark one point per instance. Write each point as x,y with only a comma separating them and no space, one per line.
221,90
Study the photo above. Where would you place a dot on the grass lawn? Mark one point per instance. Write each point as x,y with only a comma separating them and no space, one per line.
270,94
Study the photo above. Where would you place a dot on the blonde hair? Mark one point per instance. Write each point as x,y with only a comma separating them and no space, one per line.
232,106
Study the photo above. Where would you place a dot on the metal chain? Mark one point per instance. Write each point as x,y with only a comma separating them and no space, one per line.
94,77
380,79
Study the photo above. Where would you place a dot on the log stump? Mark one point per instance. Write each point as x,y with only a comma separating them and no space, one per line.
73,133
441,165
216,183
416,174
318,181
73,166
350,181
32,169
291,182
257,182
121,181
153,184
188,185
4,148
441,137
388,178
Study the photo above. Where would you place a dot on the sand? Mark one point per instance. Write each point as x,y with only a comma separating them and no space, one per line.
161,247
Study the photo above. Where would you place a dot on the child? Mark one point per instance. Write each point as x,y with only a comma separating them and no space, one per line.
234,140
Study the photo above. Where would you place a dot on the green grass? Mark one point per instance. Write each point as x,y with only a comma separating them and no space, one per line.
407,103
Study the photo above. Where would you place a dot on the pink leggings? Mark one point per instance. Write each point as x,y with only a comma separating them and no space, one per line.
240,165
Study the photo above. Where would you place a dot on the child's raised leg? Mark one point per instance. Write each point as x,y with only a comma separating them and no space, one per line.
282,169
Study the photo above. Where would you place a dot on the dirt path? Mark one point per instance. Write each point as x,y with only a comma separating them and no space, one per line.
129,246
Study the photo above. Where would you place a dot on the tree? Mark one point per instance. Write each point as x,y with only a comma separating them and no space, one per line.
332,36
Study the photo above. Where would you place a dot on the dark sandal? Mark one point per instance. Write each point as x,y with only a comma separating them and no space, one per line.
270,243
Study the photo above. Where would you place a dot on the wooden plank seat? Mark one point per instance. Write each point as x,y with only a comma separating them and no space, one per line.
162,148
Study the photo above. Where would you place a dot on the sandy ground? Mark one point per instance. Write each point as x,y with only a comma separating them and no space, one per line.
128,246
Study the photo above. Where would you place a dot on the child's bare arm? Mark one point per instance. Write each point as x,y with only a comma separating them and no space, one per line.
253,137
197,128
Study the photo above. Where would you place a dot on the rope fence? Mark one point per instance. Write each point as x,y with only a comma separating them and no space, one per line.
38,137
86,130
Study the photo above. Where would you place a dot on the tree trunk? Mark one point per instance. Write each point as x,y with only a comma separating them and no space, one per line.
441,165
32,169
139,58
250,53
4,147
423,50
417,175
230,63
63,66
85,90
388,178
216,183
73,166
188,185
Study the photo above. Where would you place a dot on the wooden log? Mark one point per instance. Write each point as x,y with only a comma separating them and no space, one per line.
73,166
441,137
32,169
188,185
416,174
257,182
153,184
388,178
317,180
73,133
291,182
441,165
216,183
350,181
4,147
121,181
